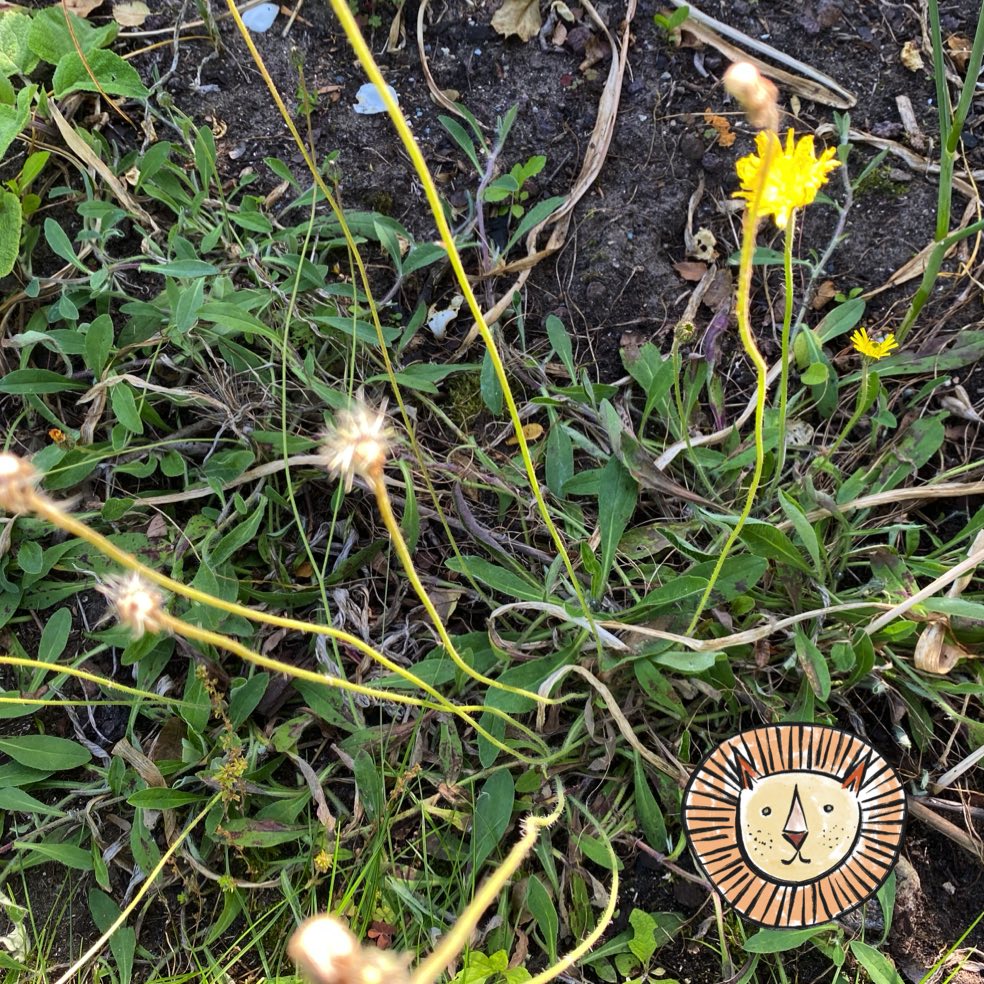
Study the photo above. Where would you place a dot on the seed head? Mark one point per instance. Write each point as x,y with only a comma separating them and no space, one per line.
358,444
138,606
18,479
758,96
326,952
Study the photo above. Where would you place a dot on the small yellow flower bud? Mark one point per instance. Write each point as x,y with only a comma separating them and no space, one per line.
137,605
758,96
18,479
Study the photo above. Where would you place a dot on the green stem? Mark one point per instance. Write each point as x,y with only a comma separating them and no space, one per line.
787,323
860,407
761,373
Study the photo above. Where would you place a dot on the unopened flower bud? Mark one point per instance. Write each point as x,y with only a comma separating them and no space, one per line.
758,96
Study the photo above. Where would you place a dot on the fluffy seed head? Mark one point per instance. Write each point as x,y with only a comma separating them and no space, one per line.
18,479
138,606
758,96
326,952
358,444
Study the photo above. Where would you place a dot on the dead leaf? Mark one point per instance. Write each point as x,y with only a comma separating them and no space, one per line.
911,56
559,35
690,270
596,50
532,432
382,933
824,295
82,8
520,17
959,51
130,13
722,126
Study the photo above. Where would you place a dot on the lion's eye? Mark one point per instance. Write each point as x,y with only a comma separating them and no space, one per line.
828,808
766,810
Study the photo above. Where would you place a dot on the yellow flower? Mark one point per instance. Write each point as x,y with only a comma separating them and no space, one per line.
869,347
794,177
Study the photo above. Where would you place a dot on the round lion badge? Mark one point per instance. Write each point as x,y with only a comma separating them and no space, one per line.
795,824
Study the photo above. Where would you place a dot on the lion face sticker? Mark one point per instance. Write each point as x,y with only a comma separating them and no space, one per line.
795,824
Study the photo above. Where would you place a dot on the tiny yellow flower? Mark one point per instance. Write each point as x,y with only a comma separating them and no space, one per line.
869,347
794,177
322,862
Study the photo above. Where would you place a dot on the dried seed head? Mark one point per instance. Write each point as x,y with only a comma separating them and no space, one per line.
18,479
138,606
358,444
326,952
758,96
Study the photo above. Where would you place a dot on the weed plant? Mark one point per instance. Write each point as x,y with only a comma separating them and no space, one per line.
355,649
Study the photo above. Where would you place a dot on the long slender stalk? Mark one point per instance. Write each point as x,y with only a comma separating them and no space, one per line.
787,323
216,639
453,942
863,403
378,484
51,511
70,974
362,52
749,229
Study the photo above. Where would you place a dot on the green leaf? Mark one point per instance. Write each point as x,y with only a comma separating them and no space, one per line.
125,407
30,557
648,813
54,637
780,940
561,342
123,942
804,529
813,663
237,537
37,381
497,578
686,661
815,374
490,387
17,800
45,752
460,136
493,811
60,244
766,541
14,117
244,697
51,39
560,458
16,57
98,343
643,942
880,969
113,75
70,855
616,502
11,222
181,268
544,912
539,212
369,783
163,798
243,832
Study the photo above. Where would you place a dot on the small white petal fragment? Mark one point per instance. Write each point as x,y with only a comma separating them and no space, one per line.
369,100
260,19
438,321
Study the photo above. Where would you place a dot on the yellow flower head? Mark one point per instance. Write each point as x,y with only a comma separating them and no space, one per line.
794,177
869,347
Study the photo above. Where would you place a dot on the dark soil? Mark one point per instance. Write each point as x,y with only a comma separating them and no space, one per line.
616,272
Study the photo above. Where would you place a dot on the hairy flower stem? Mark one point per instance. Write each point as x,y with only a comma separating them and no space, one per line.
787,324
377,483
362,52
47,509
749,230
864,401
433,965
195,633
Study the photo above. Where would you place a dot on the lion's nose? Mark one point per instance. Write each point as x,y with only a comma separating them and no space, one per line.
795,837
